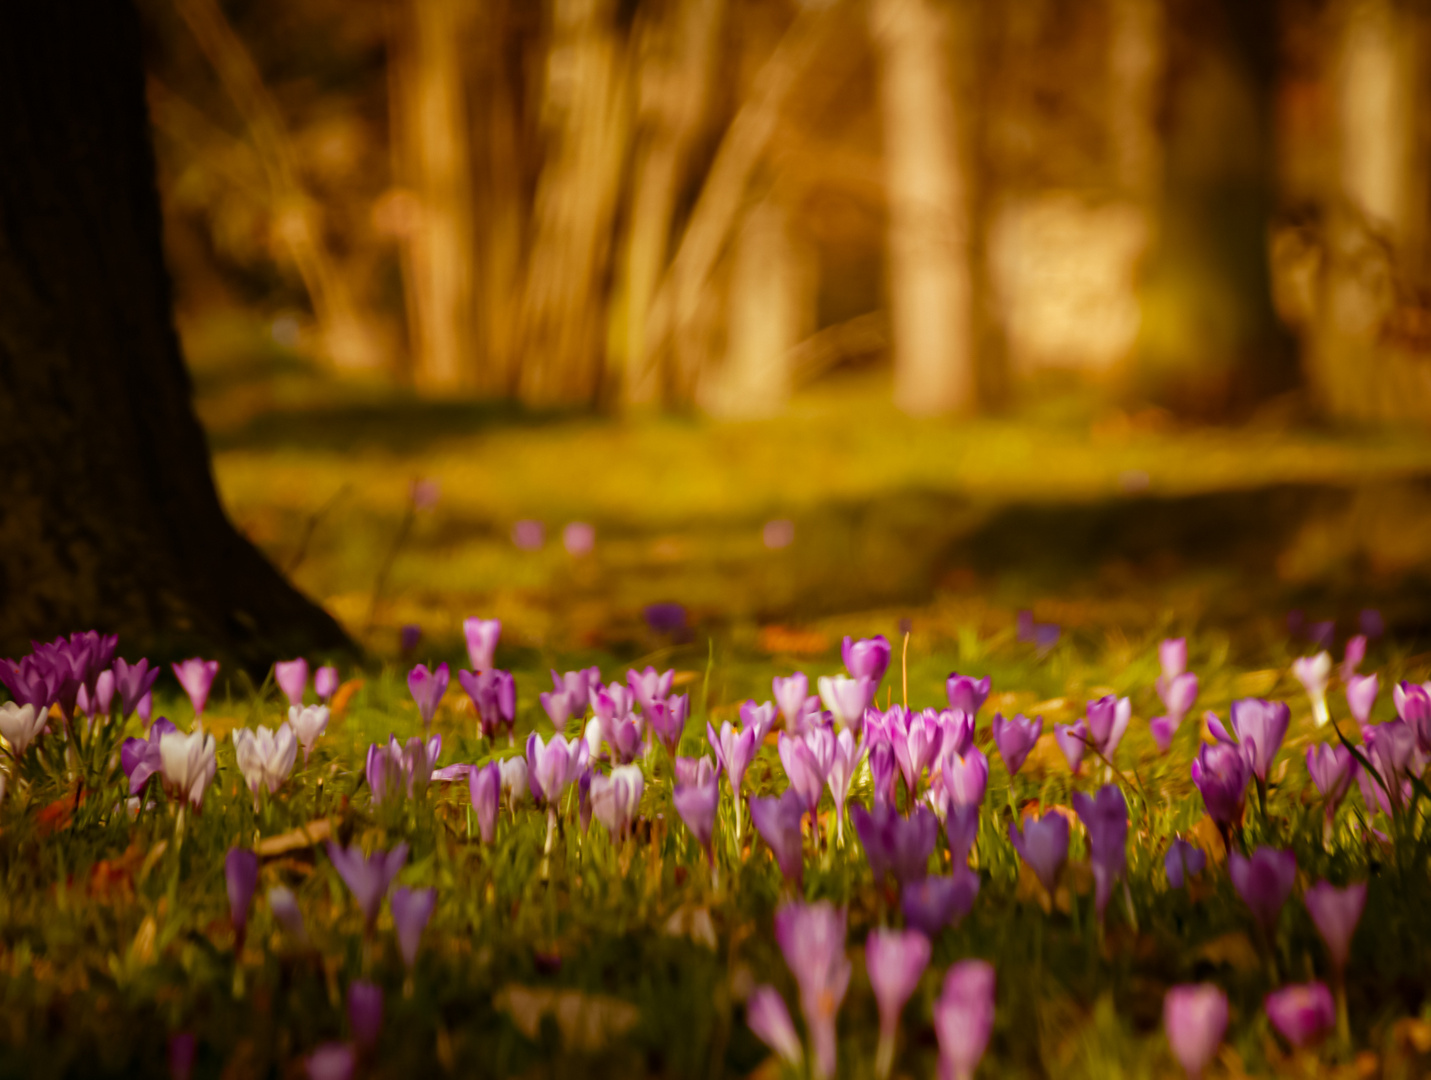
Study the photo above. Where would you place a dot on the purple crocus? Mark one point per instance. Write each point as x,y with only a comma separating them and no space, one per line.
1108,719
650,686
668,720
196,676
964,777
769,1019
1182,861
961,829
1264,882
918,748
1221,773
30,682
482,635
1361,696
734,750
958,728
1413,705
759,718
367,876
1336,913
896,846
964,1018
284,906
847,698
616,799
1172,657
141,759
804,770
1072,739
494,697
1178,695
697,804
777,820
365,1012
1390,751
1353,656
325,682
849,751
484,787
895,960
1105,816
883,771
866,658
1015,738
1332,769
1260,727
1043,845
553,765
98,702
241,878
1163,728
132,682
292,679
412,908
1303,1012
577,687
1195,1019
966,693
791,694
812,939
936,902
427,688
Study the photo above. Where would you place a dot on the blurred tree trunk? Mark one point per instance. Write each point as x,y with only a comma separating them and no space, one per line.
108,513
433,163
1211,343
926,183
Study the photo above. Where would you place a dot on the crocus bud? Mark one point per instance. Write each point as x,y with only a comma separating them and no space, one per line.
803,769
427,688
769,1019
482,635
895,960
133,682
847,698
1354,655
1302,1012
1312,673
965,777
1106,819
411,910
1221,774
1336,913
1332,769
1108,719
515,783
1195,1018
616,799
325,682
1361,696
1178,694
650,686
790,696
936,902
918,748
241,877
812,939
1182,861
484,786
365,1012
966,693
697,803
734,750
1043,845
1072,739
1163,728
964,1018
196,676
189,762
867,658
308,724
777,820
1264,882
292,679
758,719
21,725
1015,738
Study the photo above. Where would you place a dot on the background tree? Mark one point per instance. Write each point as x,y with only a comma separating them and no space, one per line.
108,513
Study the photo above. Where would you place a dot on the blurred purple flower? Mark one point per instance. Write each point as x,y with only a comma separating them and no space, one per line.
365,1012
895,960
961,829
1390,751
552,766
1332,768
577,687
494,697
183,1049
1163,728
241,878
966,693
424,493
325,682
131,682
367,876
734,750
579,538
758,718
30,682
1260,727
196,676
1336,913
778,533
803,768
1413,705
1353,656
412,908
1015,738
668,617
482,636
790,695
1072,739
1108,719
1172,658
847,698
408,637
1105,816
1320,634
866,658
98,702
427,688
1043,845
528,535
697,802
883,770
848,753
918,749
1371,623
1301,1012
936,902
958,728
964,1018
1312,672
648,686
616,799
484,788
896,846
140,758
769,1019
668,721
1361,696
292,679
1222,773
284,906
331,1061
1183,861
812,939
777,820
1195,1019
1178,695
964,777
1264,882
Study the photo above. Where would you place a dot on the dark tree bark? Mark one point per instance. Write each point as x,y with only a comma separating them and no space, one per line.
109,517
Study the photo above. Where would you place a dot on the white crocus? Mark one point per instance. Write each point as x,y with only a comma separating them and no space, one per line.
264,757
514,780
308,723
189,763
616,798
21,725
1313,672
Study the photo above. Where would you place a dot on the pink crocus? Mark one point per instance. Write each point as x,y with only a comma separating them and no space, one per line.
1105,816
964,777
1178,695
1072,739
804,769
866,658
1264,881
292,679
1361,696
1390,751
1195,1019
966,693
791,693
849,751
1222,773
1108,719
1043,845
1336,913
777,820
616,799
412,908
918,748
812,939
734,750
552,766
196,676
482,636
964,1018
759,718
1015,738
1303,1012
1353,656
1413,705
769,1019
895,960
325,682
132,682
484,786
427,688
577,687
667,720
847,698
1332,769
1163,728
697,802
650,686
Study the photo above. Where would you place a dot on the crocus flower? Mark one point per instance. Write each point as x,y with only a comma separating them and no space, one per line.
557,705
1390,749
769,1019
1105,816
847,698
367,876
1413,705
697,803
964,1018
241,878
964,777
734,750
918,748
132,682
1163,728
936,902
1108,719
803,769
196,676
308,723
1178,695
1183,861
484,788
650,686
961,829
1015,738
896,845
325,682
514,779
758,718
895,960
427,688
883,770
494,697
1353,656
1264,881
666,617
141,758
189,762
1336,913
966,693
790,695
1221,773
481,635
1043,845
1312,673
668,720
30,682
616,799
577,687
409,634
1072,739
1302,1012
97,702
412,908
1260,727
386,771
1361,696
552,766
331,1061
1332,769
777,820
623,735
866,658
1195,1019
292,679
958,728
812,939
848,753
265,757
365,1012
145,708
21,725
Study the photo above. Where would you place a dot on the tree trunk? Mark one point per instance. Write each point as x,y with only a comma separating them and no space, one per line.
929,283
109,517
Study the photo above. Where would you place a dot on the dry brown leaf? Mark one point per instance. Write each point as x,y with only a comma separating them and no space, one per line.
315,832
586,1021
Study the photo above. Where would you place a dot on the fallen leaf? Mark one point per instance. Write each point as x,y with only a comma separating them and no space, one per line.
586,1021
1235,949
315,832
786,639
338,707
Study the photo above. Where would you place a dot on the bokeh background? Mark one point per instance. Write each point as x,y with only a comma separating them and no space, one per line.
630,321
